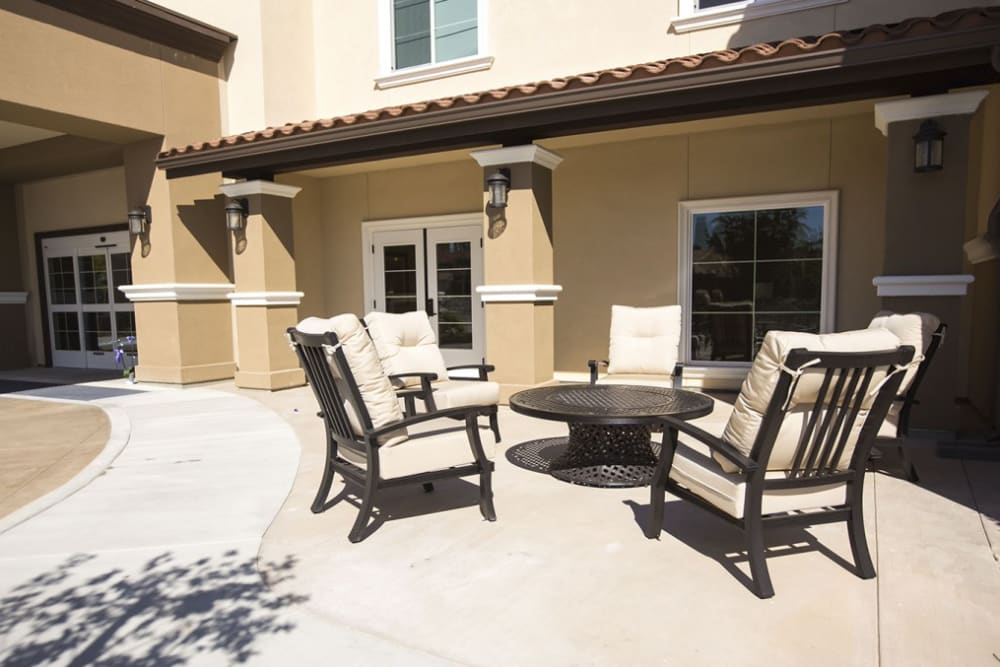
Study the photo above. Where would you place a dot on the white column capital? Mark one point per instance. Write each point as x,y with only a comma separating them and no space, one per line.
504,157
928,106
245,188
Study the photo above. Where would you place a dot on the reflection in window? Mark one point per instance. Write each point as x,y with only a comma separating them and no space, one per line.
93,278
121,273
62,280
97,334
433,31
400,263
753,271
66,331
454,284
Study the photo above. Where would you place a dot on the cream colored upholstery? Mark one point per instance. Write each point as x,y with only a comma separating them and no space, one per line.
758,387
916,329
696,470
644,341
423,452
647,379
405,343
373,384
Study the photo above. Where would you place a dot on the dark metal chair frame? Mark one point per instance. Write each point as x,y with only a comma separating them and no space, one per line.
909,399
316,352
594,363
845,384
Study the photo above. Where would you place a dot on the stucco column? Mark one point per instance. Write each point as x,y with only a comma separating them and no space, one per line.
926,220
180,273
13,295
519,293
265,300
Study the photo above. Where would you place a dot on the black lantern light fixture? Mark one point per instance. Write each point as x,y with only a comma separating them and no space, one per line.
138,220
236,215
499,185
928,147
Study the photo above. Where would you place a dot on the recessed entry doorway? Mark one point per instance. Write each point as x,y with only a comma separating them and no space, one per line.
435,265
85,310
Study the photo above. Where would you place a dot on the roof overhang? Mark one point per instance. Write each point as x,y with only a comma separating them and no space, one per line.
927,62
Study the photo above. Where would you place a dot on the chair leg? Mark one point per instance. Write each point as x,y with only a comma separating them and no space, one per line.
367,503
323,491
859,543
908,470
762,587
486,494
495,426
658,486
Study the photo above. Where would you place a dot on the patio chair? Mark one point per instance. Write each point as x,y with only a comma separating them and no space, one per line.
925,332
796,446
367,436
644,348
409,352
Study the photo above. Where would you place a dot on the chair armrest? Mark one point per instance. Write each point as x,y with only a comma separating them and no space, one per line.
714,443
678,375
461,411
593,364
423,376
484,369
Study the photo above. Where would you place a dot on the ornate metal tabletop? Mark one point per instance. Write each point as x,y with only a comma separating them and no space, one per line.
609,428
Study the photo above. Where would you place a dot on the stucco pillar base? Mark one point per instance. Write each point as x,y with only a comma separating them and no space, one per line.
265,361
183,342
184,374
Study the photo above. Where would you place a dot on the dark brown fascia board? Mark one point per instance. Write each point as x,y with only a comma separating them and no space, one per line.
153,22
916,65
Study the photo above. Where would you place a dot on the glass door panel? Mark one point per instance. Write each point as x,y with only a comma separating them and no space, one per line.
399,271
455,269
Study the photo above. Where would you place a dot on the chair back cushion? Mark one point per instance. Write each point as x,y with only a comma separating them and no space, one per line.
760,383
376,391
916,329
644,340
405,343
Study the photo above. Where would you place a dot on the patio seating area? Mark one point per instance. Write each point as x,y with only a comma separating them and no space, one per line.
565,575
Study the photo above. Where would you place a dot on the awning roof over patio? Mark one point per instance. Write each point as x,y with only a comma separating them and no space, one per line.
914,57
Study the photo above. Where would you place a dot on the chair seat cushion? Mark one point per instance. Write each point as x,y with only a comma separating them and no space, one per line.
459,393
425,451
648,379
696,470
890,426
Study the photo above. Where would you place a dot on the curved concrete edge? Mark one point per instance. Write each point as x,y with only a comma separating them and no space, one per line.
118,438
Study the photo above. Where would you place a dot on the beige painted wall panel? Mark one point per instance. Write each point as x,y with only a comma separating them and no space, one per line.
310,267
616,238
190,106
436,189
344,206
773,159
289,61
857,170
772,28
199,236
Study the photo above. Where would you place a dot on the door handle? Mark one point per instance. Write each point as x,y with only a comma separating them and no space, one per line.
430,308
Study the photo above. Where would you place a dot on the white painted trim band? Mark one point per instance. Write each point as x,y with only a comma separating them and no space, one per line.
13,298
519,293
948,285
744,11
418,74
503,157
928,106
246,188
177,292
265,298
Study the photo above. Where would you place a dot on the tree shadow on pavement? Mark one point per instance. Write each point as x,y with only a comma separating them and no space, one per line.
165,613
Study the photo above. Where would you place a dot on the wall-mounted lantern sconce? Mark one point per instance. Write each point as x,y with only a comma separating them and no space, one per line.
138,220
499,185
236,215
928,147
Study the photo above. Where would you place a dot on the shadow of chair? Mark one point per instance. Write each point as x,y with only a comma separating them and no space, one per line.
644,348
368,441
795,451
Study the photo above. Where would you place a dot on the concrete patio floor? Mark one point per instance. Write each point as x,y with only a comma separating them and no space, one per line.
156,559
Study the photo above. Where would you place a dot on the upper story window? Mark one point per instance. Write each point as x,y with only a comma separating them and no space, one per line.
429,39
753,264
698,14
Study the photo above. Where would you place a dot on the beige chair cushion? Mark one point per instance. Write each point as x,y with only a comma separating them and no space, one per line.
759,385
375,389
695,470
647,379
459,393
916,329
406,344
644,340
438,449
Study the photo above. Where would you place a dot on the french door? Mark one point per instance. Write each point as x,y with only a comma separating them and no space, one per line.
86,310
437,269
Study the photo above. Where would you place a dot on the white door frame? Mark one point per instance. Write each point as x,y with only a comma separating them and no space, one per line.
437,222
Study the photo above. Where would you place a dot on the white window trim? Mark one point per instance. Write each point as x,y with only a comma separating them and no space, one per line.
828,199
390,78
689,18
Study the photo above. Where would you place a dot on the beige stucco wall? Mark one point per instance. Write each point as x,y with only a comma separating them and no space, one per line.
92,199
616,215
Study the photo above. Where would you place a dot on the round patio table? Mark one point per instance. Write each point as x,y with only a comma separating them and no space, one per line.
609,427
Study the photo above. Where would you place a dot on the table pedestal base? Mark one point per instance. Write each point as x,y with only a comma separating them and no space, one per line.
606,456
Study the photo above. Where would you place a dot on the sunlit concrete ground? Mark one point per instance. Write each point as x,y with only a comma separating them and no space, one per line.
157,560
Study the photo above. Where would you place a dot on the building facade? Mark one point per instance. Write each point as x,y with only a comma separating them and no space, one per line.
752,161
